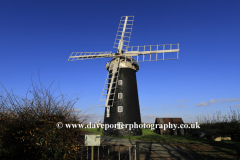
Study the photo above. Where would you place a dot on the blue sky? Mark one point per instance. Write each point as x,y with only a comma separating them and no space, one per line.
205,78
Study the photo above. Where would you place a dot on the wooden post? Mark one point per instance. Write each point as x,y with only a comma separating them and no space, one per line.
92,153
137,152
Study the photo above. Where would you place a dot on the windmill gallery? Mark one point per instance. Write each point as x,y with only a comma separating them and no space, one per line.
120,93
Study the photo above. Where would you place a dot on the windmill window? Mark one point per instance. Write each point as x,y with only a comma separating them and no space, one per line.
120,108
108,112
119,125
119,82
120,95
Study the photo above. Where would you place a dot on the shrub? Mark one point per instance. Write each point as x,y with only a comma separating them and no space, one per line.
28,125
228,123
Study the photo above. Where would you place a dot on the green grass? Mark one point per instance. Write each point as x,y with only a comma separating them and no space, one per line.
149,135
93,130
206,145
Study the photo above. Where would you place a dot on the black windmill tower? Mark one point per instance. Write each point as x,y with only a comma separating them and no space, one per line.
120,93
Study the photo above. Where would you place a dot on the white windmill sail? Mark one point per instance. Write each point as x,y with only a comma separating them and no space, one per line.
110,86
152,52
89,55
121,43
124,33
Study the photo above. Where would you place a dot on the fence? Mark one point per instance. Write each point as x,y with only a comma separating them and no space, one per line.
192,151
107,152
150,150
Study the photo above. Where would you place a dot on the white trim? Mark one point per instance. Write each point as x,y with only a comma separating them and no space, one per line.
120,82
120,95
120,108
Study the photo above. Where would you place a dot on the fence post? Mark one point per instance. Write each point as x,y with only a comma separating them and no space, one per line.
103,152
137,150
130,153
92,150
119,152
108,151
98,152
82,153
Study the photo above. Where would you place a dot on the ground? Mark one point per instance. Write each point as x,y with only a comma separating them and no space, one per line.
177,147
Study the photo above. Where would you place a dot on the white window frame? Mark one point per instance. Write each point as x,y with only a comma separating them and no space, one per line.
120,97
120,82
118,127
108,112
120,110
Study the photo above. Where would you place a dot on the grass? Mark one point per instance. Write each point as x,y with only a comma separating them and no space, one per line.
205,147
93,130
218,122
149,135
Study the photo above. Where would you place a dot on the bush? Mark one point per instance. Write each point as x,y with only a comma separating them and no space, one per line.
228,123
28,125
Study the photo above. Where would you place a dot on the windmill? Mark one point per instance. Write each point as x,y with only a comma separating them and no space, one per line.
120,94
